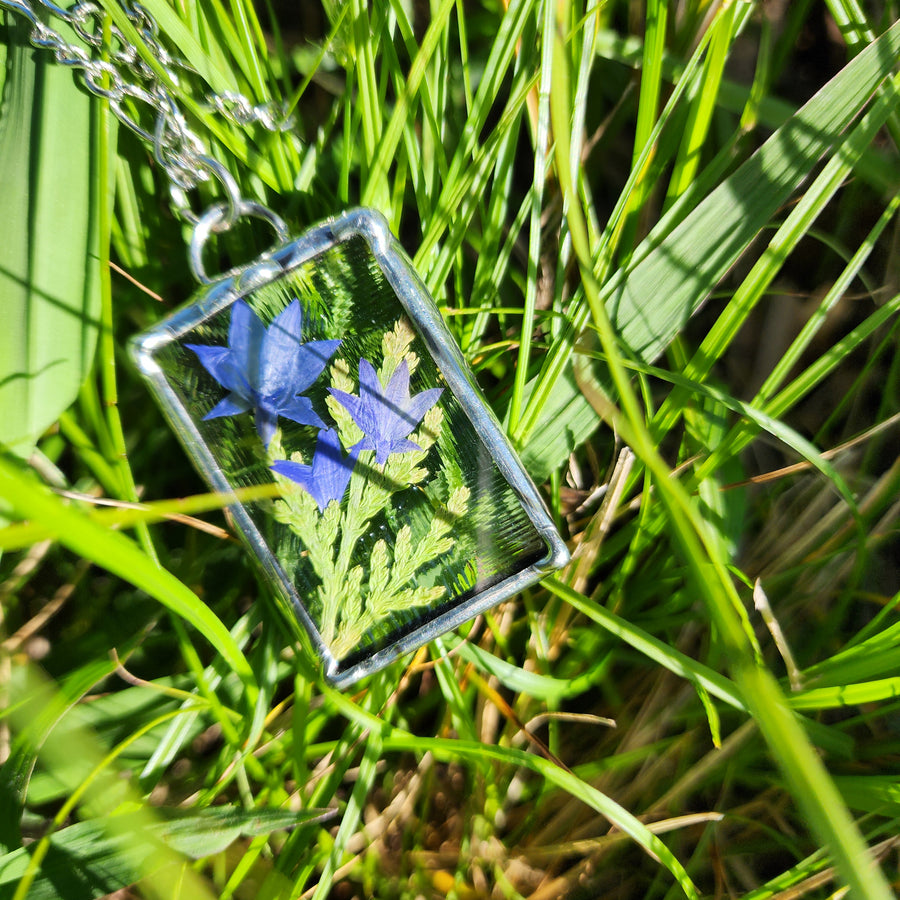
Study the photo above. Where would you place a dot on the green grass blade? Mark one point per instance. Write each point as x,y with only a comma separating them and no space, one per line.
217,75
703,104
647,115
459,179
93,783
652,301
117,554
365,41
388,142
48,269
395,739
750,414
541,145
559,358
806,776
651,75
741,434
653,648
845,695
789,234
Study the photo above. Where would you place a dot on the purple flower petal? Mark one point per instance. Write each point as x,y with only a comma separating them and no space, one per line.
359,409
219,362
307,364
386,415
404,445
266,421
328,476
331,467
300,410
396,394
420,404
369,385
286,330
266,369
279,347
299,472
230,406
245,340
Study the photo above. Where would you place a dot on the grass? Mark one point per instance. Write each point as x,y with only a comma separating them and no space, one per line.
665,237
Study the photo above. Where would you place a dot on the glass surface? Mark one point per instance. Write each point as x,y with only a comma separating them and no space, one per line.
393,508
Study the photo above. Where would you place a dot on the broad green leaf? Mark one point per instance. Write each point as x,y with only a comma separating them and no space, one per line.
650,303
214,829
871,793
533,684
94,858
49,294
565,422
678,265
16,771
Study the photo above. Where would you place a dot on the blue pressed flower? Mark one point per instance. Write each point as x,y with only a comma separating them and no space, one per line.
328,476
386,416
266,369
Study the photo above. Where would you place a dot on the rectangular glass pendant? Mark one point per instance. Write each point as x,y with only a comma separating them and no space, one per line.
398,510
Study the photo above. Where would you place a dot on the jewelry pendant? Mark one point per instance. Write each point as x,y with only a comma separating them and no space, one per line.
389,507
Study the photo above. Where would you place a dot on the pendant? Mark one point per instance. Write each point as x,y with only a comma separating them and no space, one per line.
388,506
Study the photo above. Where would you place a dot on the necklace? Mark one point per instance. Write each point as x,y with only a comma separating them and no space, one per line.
322,372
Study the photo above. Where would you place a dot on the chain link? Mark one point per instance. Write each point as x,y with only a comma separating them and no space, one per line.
127,81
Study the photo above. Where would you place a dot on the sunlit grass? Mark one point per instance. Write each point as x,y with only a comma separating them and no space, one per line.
666,243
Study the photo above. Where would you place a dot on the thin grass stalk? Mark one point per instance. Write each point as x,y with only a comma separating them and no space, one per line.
762,79
389,140
251,41
805,773
482,754
458,181
742,434
560,353
106,344
541,139
461,194
494,260
665,656
220,79
644,151
703,105
785,240
207,683
853,24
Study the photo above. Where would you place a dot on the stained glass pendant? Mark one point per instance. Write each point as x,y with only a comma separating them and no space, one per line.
396,508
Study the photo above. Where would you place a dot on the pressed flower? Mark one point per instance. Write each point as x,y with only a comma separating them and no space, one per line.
328,476
386,415
266,369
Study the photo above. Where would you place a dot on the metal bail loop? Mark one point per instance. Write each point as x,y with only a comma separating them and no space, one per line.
221,218
187,169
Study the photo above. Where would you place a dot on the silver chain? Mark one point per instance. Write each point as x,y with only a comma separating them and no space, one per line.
125,79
